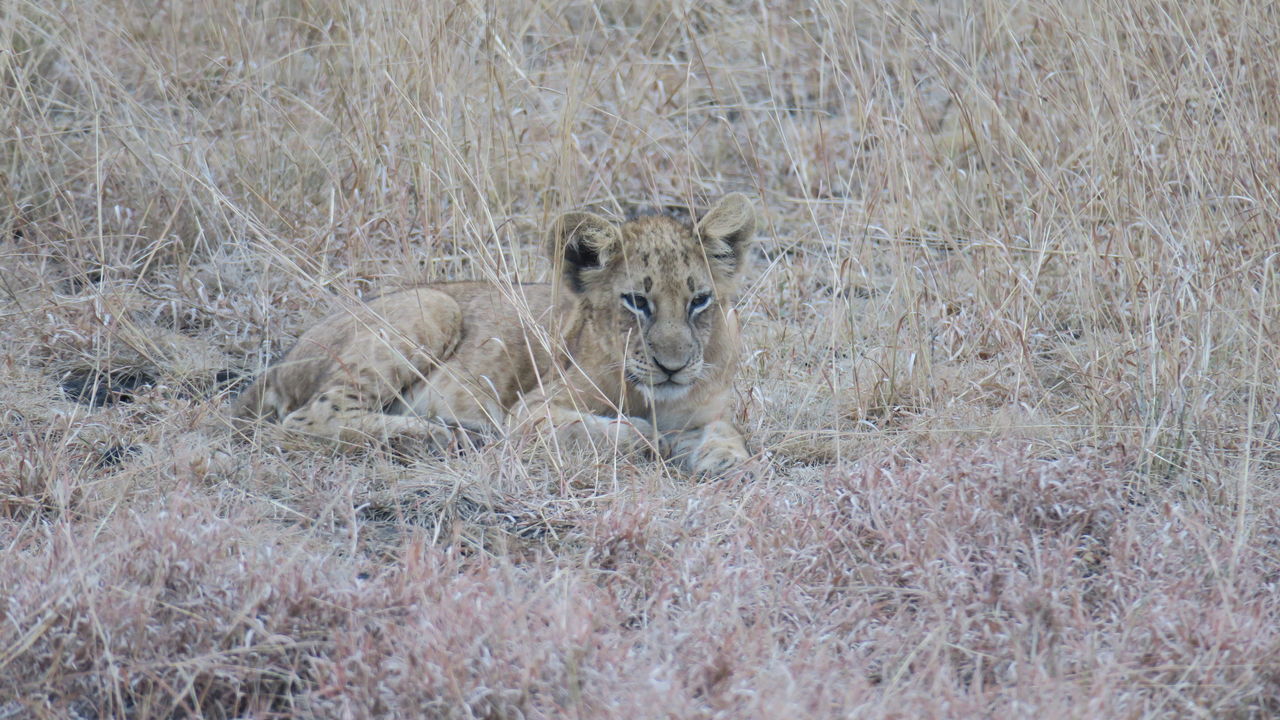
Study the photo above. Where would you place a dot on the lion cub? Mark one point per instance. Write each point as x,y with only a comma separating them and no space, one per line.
632,345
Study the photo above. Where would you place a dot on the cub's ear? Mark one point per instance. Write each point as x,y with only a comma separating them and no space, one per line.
727,232
579,245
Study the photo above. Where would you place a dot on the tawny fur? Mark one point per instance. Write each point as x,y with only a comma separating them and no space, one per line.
633,345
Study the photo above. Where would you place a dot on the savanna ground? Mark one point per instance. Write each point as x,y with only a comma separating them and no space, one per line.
1012,357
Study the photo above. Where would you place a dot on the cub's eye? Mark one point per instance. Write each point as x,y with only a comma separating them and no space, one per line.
699,303
636,303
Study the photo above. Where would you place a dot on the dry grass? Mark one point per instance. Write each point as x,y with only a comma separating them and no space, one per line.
1014,348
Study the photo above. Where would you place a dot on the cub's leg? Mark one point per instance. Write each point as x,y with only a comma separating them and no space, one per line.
475,387
371,357
711,450
579,427
343,417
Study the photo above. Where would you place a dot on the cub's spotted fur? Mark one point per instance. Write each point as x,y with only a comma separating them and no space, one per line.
632,345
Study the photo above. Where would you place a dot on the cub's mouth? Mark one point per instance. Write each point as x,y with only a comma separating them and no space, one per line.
667,389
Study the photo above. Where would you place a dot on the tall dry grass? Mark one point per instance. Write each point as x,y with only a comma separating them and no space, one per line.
1013,351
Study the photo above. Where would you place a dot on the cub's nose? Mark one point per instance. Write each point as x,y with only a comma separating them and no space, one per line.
670,371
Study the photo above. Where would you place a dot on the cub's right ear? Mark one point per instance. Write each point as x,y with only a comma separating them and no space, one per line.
579,245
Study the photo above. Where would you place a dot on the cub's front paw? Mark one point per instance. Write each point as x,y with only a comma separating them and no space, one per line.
714,459
630,434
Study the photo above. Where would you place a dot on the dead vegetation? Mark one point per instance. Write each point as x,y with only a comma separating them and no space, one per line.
1013,360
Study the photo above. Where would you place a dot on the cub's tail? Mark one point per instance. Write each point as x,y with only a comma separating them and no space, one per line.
254,406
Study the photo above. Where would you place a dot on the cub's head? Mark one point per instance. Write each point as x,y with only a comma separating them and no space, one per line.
657,288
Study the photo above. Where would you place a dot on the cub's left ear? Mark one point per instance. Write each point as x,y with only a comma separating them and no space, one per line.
727,231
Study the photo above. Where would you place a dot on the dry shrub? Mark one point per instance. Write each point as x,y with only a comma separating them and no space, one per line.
976,568
169,609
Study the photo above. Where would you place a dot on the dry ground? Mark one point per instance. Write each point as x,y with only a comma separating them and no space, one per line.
1013,334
